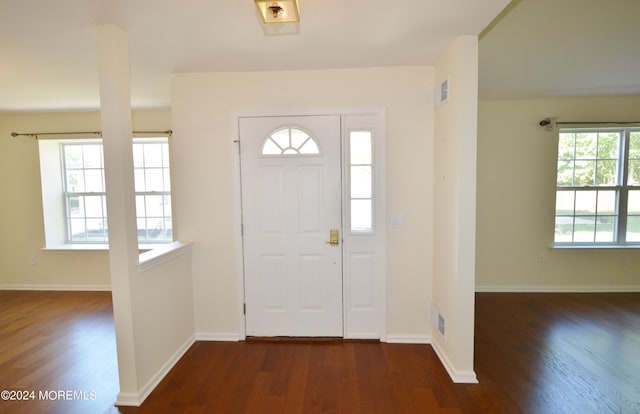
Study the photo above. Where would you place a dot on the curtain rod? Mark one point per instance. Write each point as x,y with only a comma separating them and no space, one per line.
99,133
551,122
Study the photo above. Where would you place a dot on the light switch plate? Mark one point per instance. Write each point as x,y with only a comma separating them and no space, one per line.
397,222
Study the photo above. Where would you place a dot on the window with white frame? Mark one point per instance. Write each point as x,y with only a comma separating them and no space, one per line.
82,217
153,190
361,181
598,188
289,141
84,193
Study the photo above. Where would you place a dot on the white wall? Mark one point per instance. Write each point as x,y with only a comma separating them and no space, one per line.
202,114
21,222
516,200
455,203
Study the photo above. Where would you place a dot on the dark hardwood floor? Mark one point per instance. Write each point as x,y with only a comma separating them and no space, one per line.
535,353
52,342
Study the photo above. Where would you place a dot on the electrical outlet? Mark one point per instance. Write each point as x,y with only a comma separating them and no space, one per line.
33,260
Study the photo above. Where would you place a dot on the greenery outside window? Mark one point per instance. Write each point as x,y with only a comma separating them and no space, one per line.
598,188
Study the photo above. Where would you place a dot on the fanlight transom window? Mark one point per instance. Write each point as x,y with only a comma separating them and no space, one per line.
290,141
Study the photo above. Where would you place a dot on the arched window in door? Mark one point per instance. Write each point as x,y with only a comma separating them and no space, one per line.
289,141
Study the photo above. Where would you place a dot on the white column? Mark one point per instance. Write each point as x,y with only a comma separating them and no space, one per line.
115,104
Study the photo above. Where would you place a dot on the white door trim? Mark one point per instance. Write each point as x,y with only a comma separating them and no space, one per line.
380,208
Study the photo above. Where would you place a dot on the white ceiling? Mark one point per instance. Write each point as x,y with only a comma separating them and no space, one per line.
539,48
48,53
562,48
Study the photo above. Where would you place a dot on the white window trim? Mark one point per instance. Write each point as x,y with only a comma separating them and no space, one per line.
372,118
622,189
53,201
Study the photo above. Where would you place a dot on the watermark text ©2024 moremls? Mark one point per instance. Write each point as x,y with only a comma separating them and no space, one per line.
47,395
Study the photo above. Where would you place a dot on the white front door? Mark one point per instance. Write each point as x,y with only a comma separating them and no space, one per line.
291,200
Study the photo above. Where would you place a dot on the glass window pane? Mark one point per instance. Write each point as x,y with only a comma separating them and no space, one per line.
584,229
361,216
75,206
95,230
271,148
607,202
141,211
92,156
565,173
154,205
564,229
142,228
138,178
566,146
153,179
166,201
94,181
168,228
138,155
360,147
564,203
165,154
310,147
633,229
166,177
77,229
607,173
360,182
605,229
585,203
608,145
93,206
152,155
75,181
633,204
586,145
634,172
290,141
73,156
634,145
584,173
298,138
281,138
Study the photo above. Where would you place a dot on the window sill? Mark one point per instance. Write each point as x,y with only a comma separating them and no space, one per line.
77,248
98,247
606,247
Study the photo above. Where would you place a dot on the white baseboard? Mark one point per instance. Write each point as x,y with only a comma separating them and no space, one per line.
218,337
457,376
556,289
365,336
408,339
135,400
70,288
125,399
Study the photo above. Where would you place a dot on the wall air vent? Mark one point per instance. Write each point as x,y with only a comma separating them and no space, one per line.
442,92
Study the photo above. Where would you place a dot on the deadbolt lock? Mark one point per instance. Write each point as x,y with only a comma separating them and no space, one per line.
334,237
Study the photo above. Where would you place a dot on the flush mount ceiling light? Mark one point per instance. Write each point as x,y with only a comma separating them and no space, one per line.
280,11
